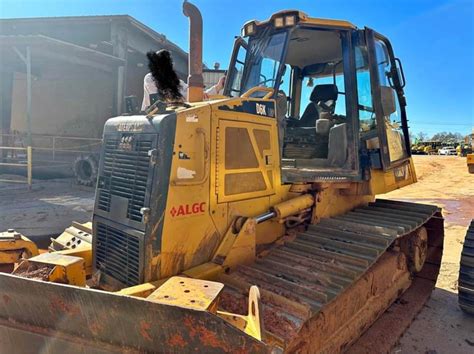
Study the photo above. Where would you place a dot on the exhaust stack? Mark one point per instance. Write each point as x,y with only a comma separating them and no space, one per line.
195,80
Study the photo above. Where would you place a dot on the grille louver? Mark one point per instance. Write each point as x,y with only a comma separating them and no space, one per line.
118,254
125,174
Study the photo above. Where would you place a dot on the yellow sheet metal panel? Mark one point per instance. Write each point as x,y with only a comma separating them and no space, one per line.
385,181
244,157
75,236
329,23
84,252
142,290
243,250
189,235
225,246
223,208
245,182
73,274
60,268
14,246
195,294
10,256
206,271
333,202
199,214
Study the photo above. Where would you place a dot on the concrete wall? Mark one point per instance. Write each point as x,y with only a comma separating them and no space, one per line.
66,100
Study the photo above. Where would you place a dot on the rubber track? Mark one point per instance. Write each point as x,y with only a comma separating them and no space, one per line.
466,273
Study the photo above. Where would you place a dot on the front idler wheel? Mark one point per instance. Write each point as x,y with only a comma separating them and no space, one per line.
415,247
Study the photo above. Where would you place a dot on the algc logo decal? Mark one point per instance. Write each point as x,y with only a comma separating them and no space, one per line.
188,209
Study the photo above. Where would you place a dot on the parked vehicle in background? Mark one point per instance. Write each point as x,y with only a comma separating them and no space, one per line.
431,147
463,149
447,150
426,147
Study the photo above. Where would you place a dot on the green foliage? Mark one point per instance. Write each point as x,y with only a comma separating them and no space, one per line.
444,136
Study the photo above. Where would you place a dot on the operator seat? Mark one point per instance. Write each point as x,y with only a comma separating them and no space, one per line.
323,102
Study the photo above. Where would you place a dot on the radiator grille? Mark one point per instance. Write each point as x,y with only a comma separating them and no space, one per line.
118,254
125,174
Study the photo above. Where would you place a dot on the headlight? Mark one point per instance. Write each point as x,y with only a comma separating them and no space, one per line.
284,21
290,20
249,29
279,22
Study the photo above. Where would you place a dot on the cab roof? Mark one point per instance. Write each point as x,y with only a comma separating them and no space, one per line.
303,18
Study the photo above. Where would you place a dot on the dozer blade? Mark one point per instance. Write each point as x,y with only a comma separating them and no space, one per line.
42,317
324,289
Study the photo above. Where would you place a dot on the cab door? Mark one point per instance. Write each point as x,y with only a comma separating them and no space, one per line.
387,83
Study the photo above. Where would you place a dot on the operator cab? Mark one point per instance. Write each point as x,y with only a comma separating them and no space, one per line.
338,93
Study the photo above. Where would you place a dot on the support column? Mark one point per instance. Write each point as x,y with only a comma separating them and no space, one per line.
6,93
119,42
27,60
28,94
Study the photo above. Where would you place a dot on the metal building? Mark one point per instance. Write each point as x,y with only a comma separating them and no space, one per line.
67,75
212,76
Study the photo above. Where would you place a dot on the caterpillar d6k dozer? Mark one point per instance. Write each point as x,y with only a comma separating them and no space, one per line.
248,222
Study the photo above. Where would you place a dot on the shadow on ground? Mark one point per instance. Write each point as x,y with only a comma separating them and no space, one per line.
433,329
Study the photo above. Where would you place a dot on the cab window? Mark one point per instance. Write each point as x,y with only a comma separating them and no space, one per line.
236,72
367,121
263,60
390,105
317,135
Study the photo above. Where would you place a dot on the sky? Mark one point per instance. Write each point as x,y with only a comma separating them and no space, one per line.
433,39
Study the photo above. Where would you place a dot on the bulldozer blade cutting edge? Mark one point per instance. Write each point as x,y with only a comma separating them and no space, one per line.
47,317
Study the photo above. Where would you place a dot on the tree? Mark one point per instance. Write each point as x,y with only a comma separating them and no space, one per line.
447,136
412,138
421,136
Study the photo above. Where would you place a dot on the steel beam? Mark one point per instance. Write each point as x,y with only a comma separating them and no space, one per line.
27,60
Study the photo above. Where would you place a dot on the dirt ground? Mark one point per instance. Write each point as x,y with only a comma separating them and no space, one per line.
443,180
45,210
441,327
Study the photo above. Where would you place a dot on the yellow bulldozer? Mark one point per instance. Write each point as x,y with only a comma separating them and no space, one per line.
470,154
248,222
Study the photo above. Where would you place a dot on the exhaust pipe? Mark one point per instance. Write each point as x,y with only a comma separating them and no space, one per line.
195,80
